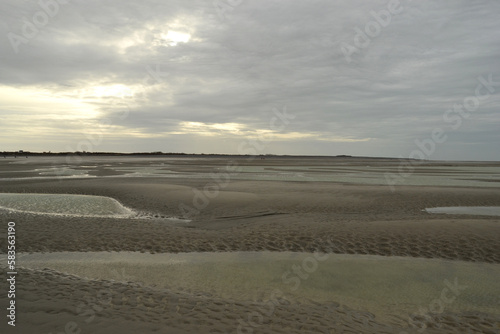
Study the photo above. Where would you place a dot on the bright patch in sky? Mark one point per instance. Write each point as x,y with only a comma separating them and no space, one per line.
174,37
211,129
41,103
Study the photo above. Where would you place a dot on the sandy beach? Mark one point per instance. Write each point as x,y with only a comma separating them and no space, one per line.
335,206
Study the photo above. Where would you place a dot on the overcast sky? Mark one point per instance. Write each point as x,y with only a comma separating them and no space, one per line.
371,78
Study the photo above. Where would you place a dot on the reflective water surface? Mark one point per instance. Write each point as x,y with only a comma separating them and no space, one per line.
64,204
467,210
381,285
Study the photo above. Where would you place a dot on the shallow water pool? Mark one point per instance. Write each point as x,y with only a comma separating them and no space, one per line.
467,210
64,204
384,286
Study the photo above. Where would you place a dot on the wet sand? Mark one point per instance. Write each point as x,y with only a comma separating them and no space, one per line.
278,207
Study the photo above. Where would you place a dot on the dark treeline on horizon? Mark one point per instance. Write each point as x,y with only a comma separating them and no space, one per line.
156,153
24,153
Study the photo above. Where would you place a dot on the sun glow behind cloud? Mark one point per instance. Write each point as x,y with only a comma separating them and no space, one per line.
238,129
32,113
42,102
174,37
117,90
208,129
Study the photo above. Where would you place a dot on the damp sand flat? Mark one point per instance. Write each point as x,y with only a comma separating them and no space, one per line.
360,171
380,285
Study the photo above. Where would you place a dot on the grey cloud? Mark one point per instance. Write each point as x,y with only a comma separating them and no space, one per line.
265,55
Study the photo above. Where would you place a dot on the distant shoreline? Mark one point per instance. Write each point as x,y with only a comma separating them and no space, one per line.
219,155
25,153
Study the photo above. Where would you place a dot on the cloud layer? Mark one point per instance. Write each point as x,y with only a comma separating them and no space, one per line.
359,77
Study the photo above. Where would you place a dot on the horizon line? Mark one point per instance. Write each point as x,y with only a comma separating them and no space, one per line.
158,153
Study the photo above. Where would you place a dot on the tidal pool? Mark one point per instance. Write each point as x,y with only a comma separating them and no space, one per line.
395,286
62,171
467,210
64,204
